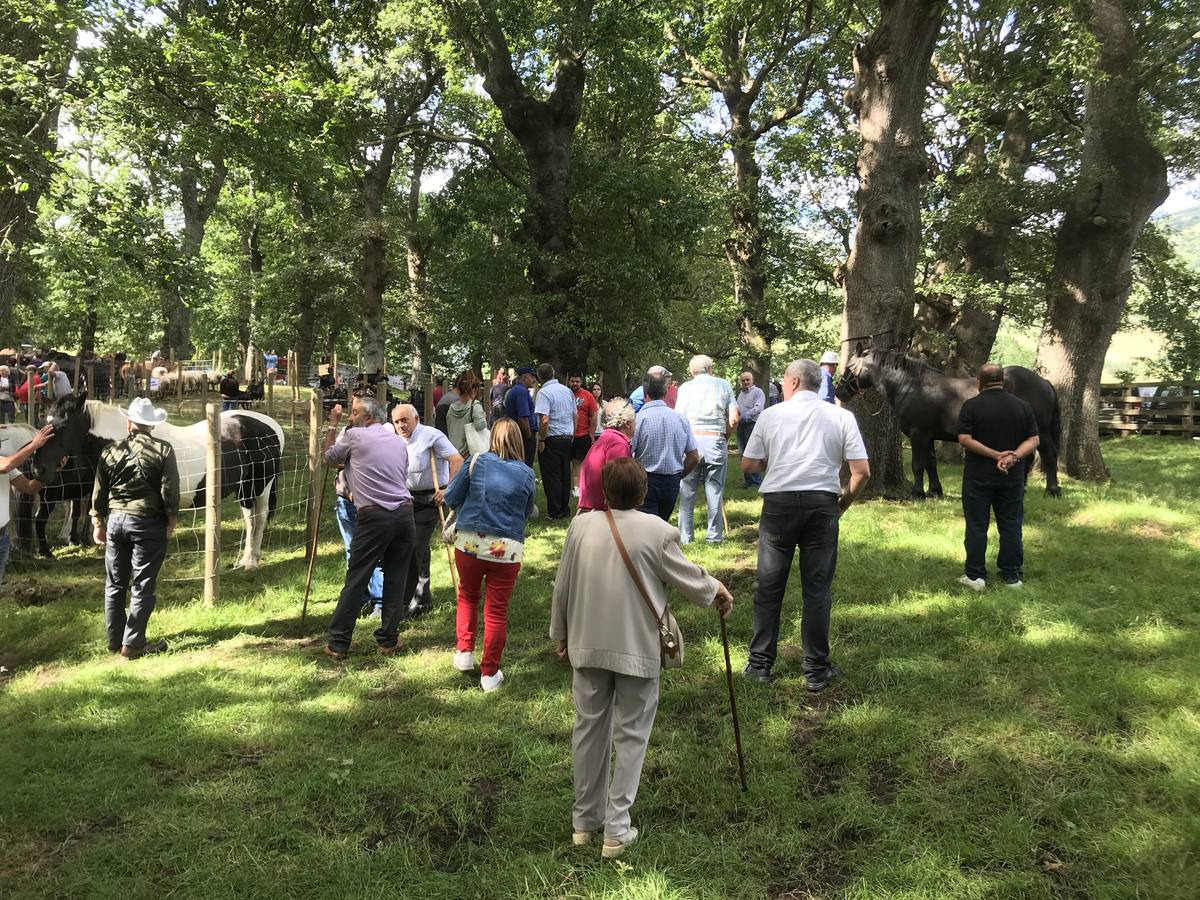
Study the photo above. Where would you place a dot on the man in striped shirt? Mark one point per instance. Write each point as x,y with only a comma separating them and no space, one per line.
709,406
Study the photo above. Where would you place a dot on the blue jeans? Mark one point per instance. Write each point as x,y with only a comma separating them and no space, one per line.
714,459
4,550
744,430
133,555
347,519
661,493
1007,499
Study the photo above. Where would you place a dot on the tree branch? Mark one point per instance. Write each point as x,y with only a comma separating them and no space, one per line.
705,77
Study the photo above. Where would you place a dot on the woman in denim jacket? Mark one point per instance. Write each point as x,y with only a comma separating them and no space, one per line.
493,495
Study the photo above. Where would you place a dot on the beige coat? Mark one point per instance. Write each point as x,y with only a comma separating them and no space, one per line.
598,609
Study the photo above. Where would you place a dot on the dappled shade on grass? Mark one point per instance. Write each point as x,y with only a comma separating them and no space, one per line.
1022,744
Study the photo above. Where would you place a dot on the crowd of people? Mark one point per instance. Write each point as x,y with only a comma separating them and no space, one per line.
630,464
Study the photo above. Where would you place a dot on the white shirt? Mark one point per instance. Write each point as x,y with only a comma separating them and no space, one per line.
804,442
556,402
5,495
420,475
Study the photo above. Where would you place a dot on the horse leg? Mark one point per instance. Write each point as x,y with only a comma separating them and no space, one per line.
64,531
247,561
935,483
920,461
40,520
261,514
1048,454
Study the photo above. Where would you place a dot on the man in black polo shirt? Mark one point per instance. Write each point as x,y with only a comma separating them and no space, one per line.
999,432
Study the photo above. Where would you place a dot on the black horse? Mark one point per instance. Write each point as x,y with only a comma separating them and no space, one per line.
72,483
926,404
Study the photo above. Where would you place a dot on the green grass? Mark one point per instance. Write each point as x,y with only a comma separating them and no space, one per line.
1036,744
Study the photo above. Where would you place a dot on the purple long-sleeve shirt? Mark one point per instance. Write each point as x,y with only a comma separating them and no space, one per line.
376,460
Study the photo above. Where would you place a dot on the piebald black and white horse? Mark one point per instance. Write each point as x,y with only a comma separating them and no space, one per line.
251,458
926,404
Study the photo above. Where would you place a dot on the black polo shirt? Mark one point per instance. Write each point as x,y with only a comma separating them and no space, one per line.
1001,421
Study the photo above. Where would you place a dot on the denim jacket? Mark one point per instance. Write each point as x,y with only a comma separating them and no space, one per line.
495,499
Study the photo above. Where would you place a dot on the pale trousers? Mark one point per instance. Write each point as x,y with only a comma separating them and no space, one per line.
613,712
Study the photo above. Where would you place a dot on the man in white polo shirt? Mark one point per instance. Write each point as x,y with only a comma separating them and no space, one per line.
801,444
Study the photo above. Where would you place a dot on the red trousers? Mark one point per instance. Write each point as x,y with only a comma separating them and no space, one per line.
501,578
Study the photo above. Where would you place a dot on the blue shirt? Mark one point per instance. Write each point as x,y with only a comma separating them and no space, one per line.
519,405
556,403
638,399
705,402
661,438
826,391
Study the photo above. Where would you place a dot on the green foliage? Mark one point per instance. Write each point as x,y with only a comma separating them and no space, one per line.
1166,298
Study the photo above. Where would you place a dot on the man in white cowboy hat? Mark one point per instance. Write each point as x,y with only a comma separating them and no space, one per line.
829,364
135,506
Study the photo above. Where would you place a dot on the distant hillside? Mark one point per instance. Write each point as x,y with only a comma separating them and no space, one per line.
1185,231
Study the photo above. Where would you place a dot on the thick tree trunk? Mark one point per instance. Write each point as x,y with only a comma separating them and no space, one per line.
744,251
306,293
373,273
545,131
198,201
416,254
87,330
891,71
1122,180
253,299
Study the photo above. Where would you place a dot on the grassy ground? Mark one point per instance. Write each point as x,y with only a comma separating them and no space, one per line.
1036,744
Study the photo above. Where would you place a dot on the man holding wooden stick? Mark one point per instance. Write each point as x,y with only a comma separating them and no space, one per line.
426,481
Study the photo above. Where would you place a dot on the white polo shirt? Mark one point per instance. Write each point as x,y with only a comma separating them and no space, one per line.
804,442
5,495
420,473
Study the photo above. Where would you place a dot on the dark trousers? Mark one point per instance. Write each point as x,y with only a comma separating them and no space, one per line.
132,557
1007,499
791,519
555,461
425,521
383,537
661,493
530,449
744,430
8,411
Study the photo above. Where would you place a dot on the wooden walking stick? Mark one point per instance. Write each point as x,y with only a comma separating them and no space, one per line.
312,557
737,731
442,517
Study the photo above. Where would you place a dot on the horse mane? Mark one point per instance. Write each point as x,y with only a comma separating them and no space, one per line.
915,368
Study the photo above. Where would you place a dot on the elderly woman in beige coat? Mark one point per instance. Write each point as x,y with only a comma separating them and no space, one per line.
603,626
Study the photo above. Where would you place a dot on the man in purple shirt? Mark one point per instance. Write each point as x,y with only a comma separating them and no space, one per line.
376,460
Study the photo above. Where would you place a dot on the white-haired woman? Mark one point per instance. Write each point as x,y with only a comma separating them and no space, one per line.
613,443
8,406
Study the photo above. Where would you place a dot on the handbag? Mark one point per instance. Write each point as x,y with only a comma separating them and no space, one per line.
478,441
450,526
670,638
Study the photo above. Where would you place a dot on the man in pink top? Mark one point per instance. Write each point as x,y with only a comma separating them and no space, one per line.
613,443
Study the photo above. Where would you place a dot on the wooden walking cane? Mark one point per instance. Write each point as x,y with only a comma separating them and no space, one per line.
442,516
312,556
737,731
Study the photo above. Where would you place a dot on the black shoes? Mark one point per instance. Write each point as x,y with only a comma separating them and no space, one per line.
148,650
818,681
756,674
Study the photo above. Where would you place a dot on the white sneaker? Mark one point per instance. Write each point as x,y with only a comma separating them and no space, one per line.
464,661
489,683
1014,584
617,846
580,838
574,492
975,584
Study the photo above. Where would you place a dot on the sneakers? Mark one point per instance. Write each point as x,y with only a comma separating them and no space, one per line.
975,584
756,674
489,683
614,847
1014,584
574,492
579,838
818,681
464,661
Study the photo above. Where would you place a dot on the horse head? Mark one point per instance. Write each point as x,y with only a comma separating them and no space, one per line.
71,422
858,376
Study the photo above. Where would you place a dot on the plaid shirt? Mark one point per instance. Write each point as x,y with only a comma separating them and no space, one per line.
661,439
705,402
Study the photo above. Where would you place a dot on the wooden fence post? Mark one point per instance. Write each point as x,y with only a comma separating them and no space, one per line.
220,361
179,383
315,422
212,507
91,380
427,413
79,373
271,393
112,381
31,395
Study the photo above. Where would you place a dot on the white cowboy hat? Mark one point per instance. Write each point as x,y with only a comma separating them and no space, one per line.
144,412
829,357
